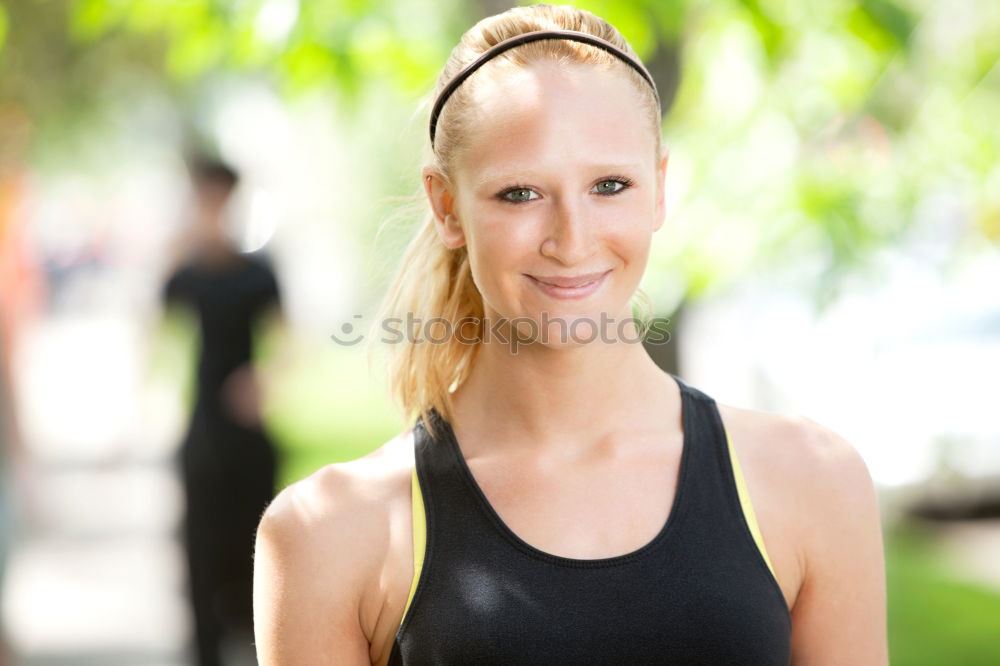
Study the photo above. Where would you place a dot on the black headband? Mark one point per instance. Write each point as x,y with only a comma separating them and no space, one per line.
524,38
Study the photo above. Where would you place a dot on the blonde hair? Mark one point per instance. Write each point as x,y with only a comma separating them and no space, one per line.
435,281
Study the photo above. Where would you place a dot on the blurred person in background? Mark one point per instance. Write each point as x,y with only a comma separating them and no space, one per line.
227,460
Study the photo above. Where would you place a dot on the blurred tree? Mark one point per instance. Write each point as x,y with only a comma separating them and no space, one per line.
803,136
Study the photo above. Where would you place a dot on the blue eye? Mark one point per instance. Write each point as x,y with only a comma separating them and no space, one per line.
518,194
607,187
612,186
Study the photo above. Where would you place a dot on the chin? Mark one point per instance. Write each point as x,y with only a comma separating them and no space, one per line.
567,322
563,328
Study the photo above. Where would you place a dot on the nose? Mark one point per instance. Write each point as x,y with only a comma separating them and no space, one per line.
570,234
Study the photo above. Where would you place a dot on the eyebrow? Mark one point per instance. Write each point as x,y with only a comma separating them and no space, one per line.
528,174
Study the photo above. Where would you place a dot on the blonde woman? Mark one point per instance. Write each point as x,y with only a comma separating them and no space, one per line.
560,499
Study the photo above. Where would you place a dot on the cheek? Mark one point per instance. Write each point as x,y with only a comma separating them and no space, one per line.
498,251
628,233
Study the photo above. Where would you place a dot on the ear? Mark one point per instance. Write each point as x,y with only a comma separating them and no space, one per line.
661,186
442,202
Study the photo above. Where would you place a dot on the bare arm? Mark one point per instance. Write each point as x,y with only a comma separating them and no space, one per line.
839,617
310,562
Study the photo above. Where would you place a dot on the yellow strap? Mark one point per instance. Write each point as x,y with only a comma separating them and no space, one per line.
419,535
741,488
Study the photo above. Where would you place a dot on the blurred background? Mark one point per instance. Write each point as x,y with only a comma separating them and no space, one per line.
832,249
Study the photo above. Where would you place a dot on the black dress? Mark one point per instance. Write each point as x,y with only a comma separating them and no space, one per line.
228,469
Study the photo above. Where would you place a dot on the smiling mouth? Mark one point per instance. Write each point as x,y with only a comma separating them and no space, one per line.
577,287
574,282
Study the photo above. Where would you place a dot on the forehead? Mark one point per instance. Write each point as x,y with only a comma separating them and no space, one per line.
529,116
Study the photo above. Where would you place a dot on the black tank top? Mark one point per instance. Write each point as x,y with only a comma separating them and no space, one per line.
700,592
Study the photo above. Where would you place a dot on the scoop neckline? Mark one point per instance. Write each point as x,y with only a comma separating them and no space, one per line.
672,519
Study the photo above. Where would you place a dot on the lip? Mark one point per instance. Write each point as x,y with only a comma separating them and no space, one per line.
577,286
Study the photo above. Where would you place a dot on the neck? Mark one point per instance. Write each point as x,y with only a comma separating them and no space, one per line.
215,252
544,396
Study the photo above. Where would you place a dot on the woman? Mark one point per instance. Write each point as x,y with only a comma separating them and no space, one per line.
562,499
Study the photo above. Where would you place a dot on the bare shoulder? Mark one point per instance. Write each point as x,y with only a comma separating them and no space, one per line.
321,548
795,462
813,459
819,512
315,507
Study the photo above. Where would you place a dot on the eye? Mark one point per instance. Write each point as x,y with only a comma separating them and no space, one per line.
612,186
518,194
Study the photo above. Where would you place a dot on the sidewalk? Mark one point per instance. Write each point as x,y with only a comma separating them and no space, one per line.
100,580
972,550
100,576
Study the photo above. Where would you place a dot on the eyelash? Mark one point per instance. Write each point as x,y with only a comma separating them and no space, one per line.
625,181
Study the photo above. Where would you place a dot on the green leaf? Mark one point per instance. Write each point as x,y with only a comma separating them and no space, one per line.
892,20
3,25
197,51
92,19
